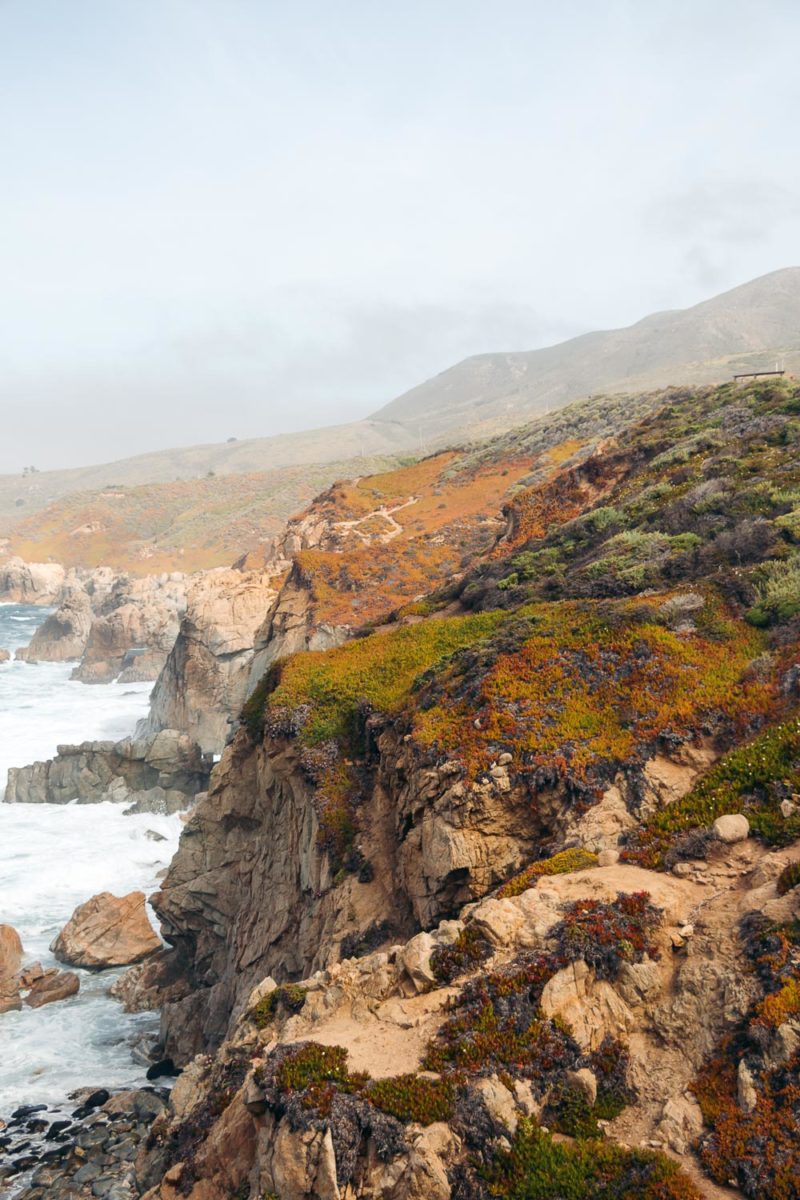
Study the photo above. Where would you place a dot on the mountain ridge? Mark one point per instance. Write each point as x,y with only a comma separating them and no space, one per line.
741,329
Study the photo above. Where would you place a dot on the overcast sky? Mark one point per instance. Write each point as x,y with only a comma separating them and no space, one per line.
240,217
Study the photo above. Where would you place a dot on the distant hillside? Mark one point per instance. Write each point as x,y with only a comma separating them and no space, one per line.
745,329
188,525
748,328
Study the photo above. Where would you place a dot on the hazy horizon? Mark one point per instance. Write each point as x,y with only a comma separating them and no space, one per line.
232,220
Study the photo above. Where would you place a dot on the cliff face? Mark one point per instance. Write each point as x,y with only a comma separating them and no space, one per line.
204,680
255,890
511,849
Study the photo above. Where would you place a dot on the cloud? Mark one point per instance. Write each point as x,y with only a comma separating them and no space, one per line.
312,360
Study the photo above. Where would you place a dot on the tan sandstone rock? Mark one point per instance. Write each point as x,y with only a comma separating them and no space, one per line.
10,959
52,985
734,827
589,1005
107,931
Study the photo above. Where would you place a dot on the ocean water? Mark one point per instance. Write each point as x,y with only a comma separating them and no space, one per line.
52,858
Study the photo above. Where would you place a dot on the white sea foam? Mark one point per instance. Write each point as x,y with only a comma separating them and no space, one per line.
53,857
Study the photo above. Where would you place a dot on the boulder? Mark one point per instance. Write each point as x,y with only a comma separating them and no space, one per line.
592,1007
746,1093
64,634
583,1080
10,959
5,655
30,583
10,951
734,827
52,985
107,931
417,961
681,1123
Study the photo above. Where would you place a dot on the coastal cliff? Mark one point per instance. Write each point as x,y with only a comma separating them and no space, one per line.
494,890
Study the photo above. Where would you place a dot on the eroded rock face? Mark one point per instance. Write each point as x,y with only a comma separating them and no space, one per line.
107,931
375,1008
137,615
30,583
160,773
432,842
64,634
204,680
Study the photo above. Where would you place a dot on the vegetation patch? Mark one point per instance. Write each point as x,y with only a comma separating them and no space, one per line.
538,1168
578,688
758,1149
466,953
414,1098
789,878
753,779
287,998
607,935
563,863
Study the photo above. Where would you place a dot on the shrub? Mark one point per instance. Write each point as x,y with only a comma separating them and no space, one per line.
607,935
789,878
537,1168
289,997
464,954
779,593
410,1098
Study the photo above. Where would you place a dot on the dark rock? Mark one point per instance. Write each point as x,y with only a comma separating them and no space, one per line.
58,1127
27,1110
166,1067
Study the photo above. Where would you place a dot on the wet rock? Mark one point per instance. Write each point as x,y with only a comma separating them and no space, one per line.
10,959
91,772
27,1110
164,1068
107,931
51,986
64,634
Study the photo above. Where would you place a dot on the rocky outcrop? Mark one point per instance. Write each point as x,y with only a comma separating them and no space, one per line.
50,986
228,1128
290,626
138,616
107,931
160,773
30,984
429,844
64,634
30,583
204,680
10,960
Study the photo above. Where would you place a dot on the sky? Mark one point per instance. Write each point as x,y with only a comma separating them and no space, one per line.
241,217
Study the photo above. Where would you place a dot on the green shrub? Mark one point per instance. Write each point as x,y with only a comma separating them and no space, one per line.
789,878
537,1168
410,1098
289,997
779,593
